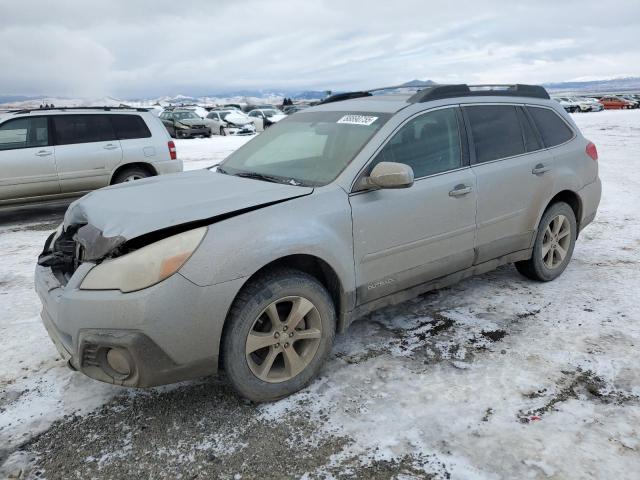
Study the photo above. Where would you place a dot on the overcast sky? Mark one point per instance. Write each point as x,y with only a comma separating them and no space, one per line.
144,48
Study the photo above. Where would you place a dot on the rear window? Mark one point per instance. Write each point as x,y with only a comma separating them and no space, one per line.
553,129
530,137
71,129
128,127
496,131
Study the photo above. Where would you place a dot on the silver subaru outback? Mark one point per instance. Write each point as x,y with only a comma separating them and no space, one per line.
360,202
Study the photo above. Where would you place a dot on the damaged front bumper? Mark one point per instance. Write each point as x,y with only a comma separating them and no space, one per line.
162,334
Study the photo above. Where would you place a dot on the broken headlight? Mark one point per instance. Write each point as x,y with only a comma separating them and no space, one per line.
146,266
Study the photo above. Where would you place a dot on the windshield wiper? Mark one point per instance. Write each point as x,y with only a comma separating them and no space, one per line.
267,178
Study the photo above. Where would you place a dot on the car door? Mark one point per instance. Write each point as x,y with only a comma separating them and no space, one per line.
406,237
513,174
27,159
87,151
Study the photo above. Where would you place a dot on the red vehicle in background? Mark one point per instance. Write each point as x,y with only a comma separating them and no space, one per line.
614,103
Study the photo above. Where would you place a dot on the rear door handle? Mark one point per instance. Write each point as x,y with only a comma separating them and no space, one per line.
540,169
44,153
110,146
460,190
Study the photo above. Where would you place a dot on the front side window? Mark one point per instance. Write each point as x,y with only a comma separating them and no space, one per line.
496,131
552,128
311,148
429,144
72,129
24,133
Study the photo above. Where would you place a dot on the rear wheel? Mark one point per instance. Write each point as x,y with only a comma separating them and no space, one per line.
131,174
281,329
554,244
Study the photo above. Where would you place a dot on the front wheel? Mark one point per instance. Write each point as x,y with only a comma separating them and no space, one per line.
554,244
281,329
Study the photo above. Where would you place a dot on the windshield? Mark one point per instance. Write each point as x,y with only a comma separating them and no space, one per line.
310,148
184,115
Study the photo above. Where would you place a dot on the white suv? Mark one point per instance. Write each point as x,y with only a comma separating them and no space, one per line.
66,152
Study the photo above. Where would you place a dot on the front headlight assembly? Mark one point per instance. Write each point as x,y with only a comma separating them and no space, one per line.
146,266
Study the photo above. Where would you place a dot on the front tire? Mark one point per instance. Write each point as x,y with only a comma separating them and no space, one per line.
554,244
281,329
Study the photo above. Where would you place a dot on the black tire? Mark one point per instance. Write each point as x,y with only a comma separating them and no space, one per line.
223,132
130,174
535,268
253,299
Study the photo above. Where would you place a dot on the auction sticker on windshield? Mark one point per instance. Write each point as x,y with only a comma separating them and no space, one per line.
357,119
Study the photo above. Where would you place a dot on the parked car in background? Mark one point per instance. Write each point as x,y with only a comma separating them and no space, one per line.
635,103
230,122
183,123
55,153
588,104
568,104
265,117
611,102
253,266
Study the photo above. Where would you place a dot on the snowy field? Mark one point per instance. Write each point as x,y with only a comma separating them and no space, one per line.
494,378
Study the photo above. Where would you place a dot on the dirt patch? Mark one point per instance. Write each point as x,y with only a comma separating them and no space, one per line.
494,335
200,431
580,385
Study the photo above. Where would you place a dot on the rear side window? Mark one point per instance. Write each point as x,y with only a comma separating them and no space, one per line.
553,129
128,127
496,131
71,129
24,133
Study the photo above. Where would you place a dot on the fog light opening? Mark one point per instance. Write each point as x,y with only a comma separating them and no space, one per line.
118,361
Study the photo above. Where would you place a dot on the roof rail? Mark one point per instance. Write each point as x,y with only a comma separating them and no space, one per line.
339,97
107,109
438,92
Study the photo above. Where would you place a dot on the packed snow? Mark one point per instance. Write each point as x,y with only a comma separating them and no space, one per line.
495,377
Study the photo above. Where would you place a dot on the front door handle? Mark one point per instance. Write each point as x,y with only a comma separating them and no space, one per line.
460,190
539,169
110,146
44,153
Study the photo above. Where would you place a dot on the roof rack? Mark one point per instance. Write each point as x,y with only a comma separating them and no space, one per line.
107,109
338,97
438,92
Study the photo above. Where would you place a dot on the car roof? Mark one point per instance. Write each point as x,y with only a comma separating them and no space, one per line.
390,103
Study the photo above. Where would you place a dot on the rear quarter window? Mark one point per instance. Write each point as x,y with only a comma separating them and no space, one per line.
496,131
128,127
552,128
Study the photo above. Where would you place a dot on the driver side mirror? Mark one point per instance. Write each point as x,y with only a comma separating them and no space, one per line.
391,175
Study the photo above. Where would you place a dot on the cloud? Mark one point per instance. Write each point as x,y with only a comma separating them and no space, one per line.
154,47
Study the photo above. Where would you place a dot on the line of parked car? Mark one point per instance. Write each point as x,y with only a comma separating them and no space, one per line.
193,121
597,103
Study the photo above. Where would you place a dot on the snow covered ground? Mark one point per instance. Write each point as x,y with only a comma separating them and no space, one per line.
496,377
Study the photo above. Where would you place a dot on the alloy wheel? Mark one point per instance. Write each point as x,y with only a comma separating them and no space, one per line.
556,241
284,339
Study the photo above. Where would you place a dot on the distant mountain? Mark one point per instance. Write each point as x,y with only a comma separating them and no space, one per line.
276,96
610,85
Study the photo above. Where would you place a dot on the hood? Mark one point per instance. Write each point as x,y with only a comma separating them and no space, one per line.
237,119
113,215
191,121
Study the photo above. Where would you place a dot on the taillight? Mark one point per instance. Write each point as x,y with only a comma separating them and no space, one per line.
172,150
592,151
